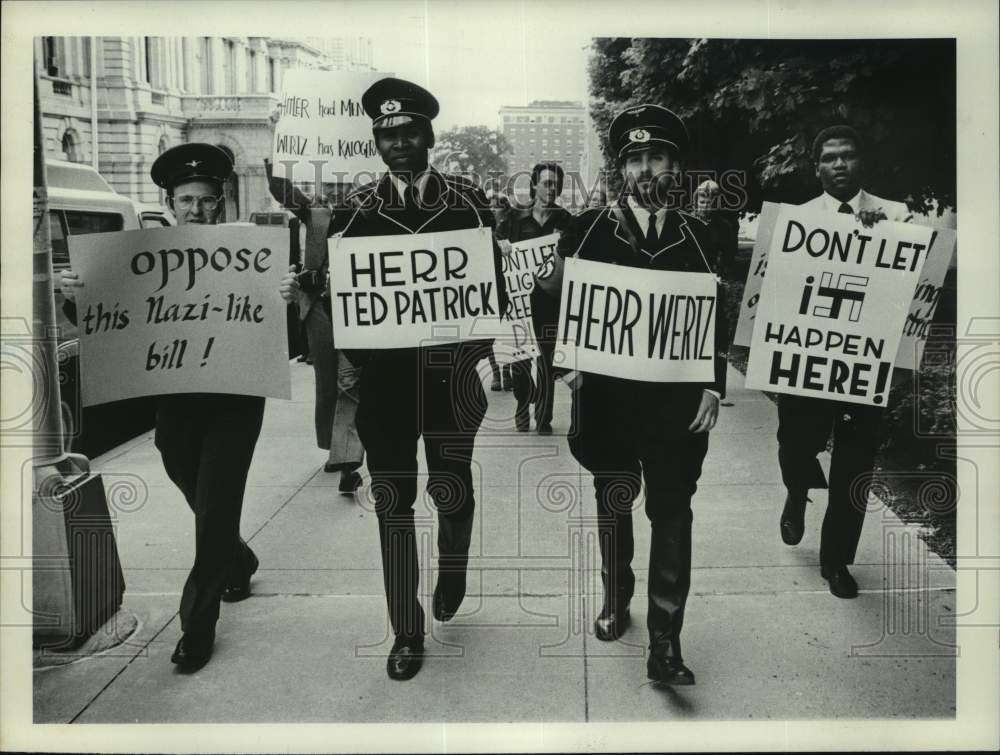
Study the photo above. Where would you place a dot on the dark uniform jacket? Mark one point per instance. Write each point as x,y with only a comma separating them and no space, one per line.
448,204
684,245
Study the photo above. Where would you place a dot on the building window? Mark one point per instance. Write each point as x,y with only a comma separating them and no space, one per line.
52,56
251,71
230,67
206,65
70,147
147,48
270,74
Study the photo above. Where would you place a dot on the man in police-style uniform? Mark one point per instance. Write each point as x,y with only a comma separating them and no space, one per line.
625,431
433,391
805,423
206,440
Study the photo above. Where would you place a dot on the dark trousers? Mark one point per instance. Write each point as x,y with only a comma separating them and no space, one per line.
625,432
524,391
406,394
206,442
804,426
545,320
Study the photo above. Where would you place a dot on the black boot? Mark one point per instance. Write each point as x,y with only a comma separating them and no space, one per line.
614,617
615,537
793,517
669,583
454,537
401,576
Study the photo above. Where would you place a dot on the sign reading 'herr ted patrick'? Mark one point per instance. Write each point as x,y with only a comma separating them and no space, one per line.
833,304
627,322
322,130
189,309
408,290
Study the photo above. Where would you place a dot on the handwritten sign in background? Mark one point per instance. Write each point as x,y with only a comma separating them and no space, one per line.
517,339
188,309
672,316
321,119
832,305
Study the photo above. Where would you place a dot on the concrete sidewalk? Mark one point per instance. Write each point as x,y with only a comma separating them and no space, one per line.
763,635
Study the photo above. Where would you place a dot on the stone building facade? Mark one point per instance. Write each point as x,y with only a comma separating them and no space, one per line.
152,93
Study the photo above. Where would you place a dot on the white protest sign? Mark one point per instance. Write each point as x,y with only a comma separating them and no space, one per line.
188,309
411,290
635,323
832,305
322,124
755,275
519,267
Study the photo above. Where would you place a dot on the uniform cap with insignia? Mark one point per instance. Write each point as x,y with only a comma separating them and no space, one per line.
394,102
645,126
188,162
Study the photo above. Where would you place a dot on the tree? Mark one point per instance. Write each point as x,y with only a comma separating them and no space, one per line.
755,105
478,152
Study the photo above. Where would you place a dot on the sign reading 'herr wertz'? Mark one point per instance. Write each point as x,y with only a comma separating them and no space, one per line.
408,290
627,322
190,309
322,127
833,304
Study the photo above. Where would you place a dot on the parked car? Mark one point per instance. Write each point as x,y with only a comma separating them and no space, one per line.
81,202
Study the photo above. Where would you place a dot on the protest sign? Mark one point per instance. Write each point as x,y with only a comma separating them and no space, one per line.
832,305
321,123
922,309
413,289
627,322
755,275
188,309
517,339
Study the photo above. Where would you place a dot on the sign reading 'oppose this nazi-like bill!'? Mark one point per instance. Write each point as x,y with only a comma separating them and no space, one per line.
402,291
627,322
526,258
190,309
833,304
322,130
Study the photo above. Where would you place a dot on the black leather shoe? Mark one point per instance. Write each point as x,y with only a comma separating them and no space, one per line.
842,584
239,588
405,659
668,670
448,596
193,650
793,518
350,481
611,624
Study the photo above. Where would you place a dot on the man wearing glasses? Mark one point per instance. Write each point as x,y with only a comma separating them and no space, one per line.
206,440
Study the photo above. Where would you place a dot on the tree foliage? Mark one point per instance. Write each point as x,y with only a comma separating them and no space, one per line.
475,151
755,105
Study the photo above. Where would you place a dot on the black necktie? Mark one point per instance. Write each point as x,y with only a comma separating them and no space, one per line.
651,235
845,208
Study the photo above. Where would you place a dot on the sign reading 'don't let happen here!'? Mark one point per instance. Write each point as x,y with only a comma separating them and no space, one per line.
322,130
409,290
187,309
833,304
628,322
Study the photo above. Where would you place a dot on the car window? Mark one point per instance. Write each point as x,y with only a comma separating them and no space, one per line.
80,223
60,252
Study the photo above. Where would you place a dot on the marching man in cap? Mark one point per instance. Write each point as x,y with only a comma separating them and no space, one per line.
628,431
432,391
206,440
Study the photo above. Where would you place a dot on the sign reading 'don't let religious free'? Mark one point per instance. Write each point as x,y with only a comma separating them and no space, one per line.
188,309
408,290
833,305
941,247
322,127
627,322
517,340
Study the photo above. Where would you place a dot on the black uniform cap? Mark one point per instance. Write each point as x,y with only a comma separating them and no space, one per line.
644,126
187,162
393,102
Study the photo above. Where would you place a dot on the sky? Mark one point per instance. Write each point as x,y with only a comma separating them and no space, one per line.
476,57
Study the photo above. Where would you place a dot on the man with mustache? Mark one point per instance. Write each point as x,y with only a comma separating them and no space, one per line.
629,431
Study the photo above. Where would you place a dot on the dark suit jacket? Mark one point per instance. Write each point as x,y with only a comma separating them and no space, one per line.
685,244
448,204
